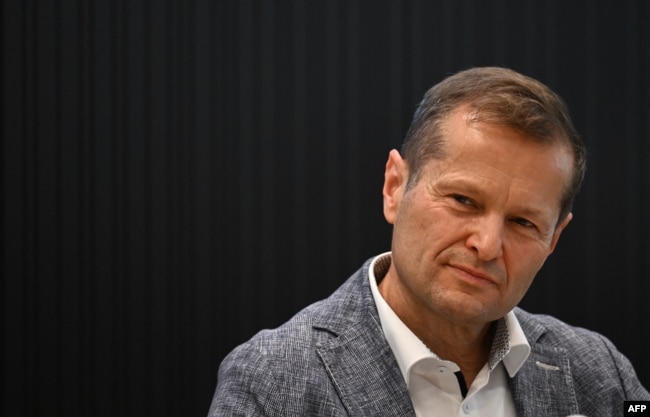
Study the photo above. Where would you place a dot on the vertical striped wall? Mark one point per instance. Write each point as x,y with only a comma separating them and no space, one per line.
179,174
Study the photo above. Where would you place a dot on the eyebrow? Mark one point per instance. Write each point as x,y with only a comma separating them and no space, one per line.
459,184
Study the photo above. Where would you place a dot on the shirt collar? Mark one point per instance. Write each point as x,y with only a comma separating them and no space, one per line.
509,346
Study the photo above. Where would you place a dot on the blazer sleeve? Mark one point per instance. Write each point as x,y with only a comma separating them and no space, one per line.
245,386
632,388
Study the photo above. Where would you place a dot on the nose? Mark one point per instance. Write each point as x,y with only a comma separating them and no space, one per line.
486,237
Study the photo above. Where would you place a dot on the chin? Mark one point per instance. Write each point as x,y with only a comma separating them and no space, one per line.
470,311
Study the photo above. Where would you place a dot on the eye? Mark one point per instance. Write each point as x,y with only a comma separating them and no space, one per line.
463,200
523,222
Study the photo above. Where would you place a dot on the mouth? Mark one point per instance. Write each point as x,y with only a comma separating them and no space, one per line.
474,275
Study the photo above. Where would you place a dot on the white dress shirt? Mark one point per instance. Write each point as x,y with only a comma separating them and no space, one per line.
432,383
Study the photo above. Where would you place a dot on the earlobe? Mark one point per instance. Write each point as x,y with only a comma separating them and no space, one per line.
395,179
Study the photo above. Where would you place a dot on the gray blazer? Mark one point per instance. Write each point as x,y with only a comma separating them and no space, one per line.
332,359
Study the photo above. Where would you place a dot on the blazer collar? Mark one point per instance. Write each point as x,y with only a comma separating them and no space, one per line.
358,359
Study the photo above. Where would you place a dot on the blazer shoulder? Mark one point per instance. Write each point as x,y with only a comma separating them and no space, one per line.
550,332
592,356
553,331
350,305
279,371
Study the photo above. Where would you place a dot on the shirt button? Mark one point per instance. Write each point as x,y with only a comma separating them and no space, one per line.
442,369
467,408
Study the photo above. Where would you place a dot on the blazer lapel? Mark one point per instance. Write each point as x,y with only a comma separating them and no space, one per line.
365,373
543,387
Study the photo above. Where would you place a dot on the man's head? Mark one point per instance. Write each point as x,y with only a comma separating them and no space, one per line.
480,198
497,96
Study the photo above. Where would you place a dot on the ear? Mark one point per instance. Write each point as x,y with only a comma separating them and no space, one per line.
558,231
395,179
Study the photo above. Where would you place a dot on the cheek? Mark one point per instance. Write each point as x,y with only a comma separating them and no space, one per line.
522,271
524,254
428,231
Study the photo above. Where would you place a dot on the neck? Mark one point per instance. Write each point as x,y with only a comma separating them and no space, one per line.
467,344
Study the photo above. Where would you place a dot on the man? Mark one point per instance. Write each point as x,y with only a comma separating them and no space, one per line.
478,200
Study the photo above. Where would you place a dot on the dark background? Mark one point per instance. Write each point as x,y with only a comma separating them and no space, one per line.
180,174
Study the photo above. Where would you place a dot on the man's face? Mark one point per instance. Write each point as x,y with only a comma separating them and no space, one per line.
471,234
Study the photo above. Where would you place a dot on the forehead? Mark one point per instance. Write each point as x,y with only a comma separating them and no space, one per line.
465,131
498,156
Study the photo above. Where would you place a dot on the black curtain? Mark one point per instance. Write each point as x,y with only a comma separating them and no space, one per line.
180,174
